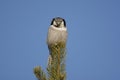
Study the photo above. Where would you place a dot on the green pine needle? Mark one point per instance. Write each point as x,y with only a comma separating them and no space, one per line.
55,70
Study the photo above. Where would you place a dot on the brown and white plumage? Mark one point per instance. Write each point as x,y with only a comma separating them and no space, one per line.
57,33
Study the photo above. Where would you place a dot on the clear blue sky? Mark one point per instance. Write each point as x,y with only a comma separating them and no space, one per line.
93,48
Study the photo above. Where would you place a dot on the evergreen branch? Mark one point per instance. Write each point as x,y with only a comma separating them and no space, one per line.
56,64
39,73
56,70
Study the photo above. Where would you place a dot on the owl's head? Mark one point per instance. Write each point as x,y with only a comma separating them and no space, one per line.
58,22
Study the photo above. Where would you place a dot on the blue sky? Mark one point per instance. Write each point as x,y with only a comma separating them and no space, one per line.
93,47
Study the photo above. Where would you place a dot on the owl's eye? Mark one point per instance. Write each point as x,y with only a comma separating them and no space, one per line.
58,22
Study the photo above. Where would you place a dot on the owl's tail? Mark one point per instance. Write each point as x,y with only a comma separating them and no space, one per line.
49,60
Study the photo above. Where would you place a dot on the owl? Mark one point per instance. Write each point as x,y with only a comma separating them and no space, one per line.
57,33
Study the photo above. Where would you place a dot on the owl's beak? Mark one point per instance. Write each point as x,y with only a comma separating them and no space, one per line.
58,23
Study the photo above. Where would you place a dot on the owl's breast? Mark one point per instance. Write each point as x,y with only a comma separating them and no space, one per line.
56,35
